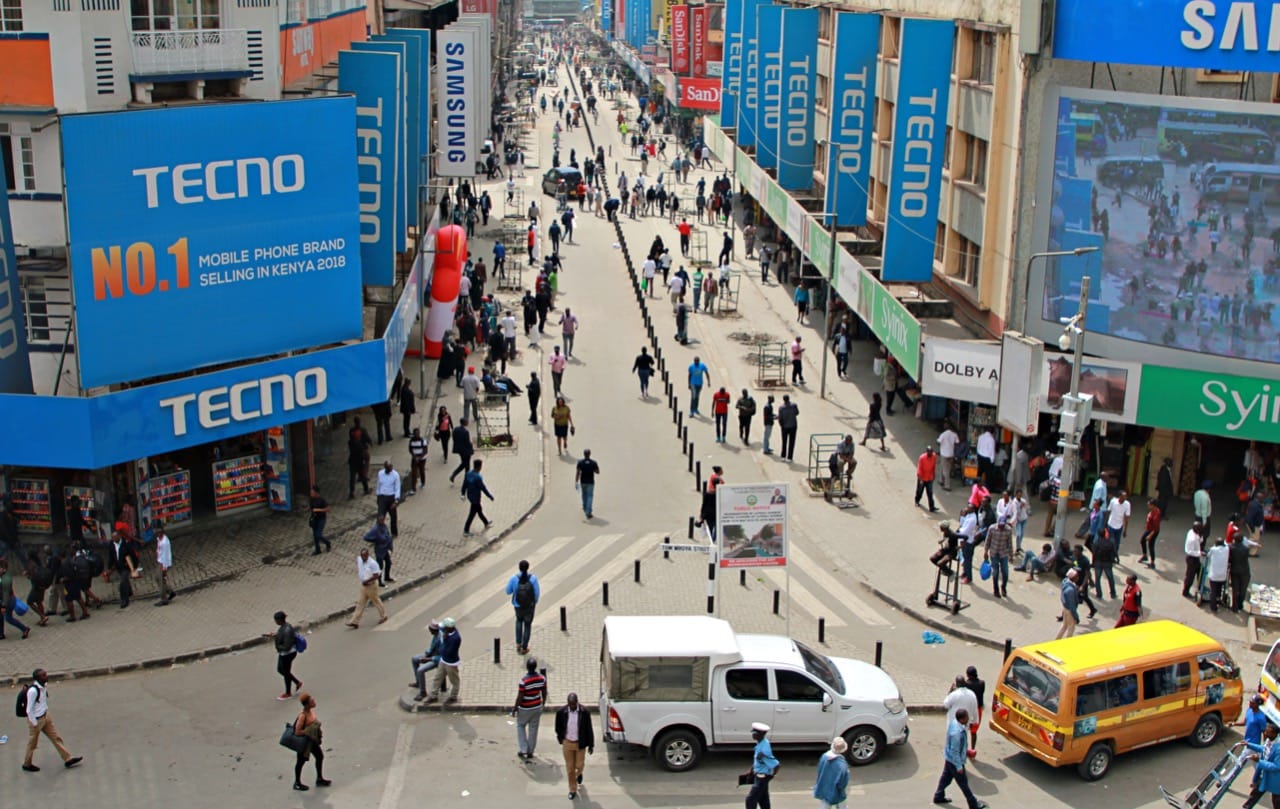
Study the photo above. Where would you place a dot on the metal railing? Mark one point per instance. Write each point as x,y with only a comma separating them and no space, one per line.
190,51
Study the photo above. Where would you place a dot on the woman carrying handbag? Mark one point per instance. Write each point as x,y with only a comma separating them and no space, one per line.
304,738
444,429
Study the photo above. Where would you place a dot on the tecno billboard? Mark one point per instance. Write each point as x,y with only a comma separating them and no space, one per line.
700,94
1175,195
239,239
1211,34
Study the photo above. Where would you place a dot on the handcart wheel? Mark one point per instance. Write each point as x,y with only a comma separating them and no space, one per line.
955,608
930,600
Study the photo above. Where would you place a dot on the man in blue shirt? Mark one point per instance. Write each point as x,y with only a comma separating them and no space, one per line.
1265,747
450,660
699,375
426,661
833,776
954,761
763,766
525,591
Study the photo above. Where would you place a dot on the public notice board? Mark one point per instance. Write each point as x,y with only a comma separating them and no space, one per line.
752,524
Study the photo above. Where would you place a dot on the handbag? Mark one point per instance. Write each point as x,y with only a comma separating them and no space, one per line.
292,740
746,779
985,570
19,606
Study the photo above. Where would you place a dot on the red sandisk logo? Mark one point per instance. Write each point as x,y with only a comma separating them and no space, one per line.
700,93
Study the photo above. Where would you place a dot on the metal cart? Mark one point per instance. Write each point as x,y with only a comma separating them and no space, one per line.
946,589
1215,784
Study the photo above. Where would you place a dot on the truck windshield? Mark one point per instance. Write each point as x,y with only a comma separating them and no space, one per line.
819,666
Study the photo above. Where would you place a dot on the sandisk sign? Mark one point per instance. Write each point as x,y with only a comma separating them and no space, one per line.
700,94
698,20
680,39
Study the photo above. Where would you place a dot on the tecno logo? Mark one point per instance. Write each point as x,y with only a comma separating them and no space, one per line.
252,399
189,183
704,95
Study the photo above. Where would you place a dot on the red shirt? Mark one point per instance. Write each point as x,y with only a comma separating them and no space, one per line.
720,403
685,228
1153,520
926,466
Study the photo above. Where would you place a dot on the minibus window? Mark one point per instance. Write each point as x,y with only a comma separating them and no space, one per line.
1217,665
1166,680
1034,683
1272,666
1106,694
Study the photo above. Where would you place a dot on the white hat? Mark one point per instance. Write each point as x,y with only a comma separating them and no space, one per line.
839,745
760,726
447,623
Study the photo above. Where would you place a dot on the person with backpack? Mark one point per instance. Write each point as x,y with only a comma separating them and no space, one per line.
8,602
524,589
69,579
33,705
41,577
288,645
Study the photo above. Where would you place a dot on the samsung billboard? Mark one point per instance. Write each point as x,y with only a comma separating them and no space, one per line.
1181,197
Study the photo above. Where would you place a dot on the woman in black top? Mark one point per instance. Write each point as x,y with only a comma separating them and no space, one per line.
875,425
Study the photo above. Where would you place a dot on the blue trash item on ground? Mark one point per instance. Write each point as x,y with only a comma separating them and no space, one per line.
932,637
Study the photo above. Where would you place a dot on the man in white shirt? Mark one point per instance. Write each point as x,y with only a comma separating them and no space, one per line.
1216,561
649,269
388,494
368,571
1118,512
987,455
39,721
1192,549
947,452
509,333
677,289
1055,469
962,698
164,561
464,287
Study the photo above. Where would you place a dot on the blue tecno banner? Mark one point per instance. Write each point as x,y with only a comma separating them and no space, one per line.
243,234
919,136
731,82
799,75
15,367
1210,34
374,79
400,49
749,101
769,70
852,115
98,431
419,112
606,18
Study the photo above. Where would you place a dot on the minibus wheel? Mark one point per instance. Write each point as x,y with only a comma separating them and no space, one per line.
1206,731
1096,762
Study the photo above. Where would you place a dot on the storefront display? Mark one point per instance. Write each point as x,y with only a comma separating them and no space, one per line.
171,498
31,502
278,477
238,483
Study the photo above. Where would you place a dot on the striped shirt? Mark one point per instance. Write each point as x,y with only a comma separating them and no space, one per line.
533,688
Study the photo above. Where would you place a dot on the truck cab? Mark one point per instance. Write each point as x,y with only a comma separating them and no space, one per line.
681,686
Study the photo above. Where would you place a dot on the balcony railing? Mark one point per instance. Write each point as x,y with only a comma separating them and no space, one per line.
190,51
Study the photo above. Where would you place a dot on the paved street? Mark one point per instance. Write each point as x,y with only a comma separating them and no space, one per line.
198,729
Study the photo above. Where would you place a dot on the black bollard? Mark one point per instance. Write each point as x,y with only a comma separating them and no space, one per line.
605,593
698,475
691,529
1008,648
675,419
564,619
684,442
637,571
822,630
742,577
879,652
679,422
666,554
691,453
777,601
497,651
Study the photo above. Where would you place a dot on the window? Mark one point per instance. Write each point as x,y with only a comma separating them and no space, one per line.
10,15
890,37
823,96
976,161
984,57
969,260
1166,680
1034,683
1217,665
19,155
826,23
747,683
940,244
295,11
174,15
1106,695
795,687
946,150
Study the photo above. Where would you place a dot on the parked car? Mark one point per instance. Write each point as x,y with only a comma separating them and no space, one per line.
683,685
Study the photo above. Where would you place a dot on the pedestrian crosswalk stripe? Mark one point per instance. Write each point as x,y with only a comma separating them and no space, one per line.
546,580
645,545
828,584
800,595
451,593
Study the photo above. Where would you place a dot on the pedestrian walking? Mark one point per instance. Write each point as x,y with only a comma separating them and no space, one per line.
8,602
726,249
999,548
746,407
585,481
801,299
1070,599
443,431
875,424
767,419
963,699
472,489
699,375
832,783
568,330
1264,749
797,366
763,767
954,759
1104,560
383,543
533,389
947,442
307,726
286,642
367,572
557,361
471,387
643,368
979,688
122,557
788,424
408,407
389,494
41,577
164,563
720,411
317,520
36,710
926,469
707,511
531,697
525,591
577,738
418,448
1131,602
463,448
562,424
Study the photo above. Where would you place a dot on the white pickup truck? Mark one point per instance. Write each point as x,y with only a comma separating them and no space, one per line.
682,685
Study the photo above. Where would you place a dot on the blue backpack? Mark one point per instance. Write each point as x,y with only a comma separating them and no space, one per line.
299,643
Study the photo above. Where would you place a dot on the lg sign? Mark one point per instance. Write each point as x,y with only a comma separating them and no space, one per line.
700,94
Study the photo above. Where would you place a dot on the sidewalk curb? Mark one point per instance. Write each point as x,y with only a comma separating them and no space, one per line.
407,705
13,681
925,619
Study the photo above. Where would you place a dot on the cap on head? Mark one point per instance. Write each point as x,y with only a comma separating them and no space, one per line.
433,625
945,525
759,727
448,623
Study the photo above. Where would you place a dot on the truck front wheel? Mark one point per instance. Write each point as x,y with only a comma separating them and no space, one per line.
865,745
678,750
